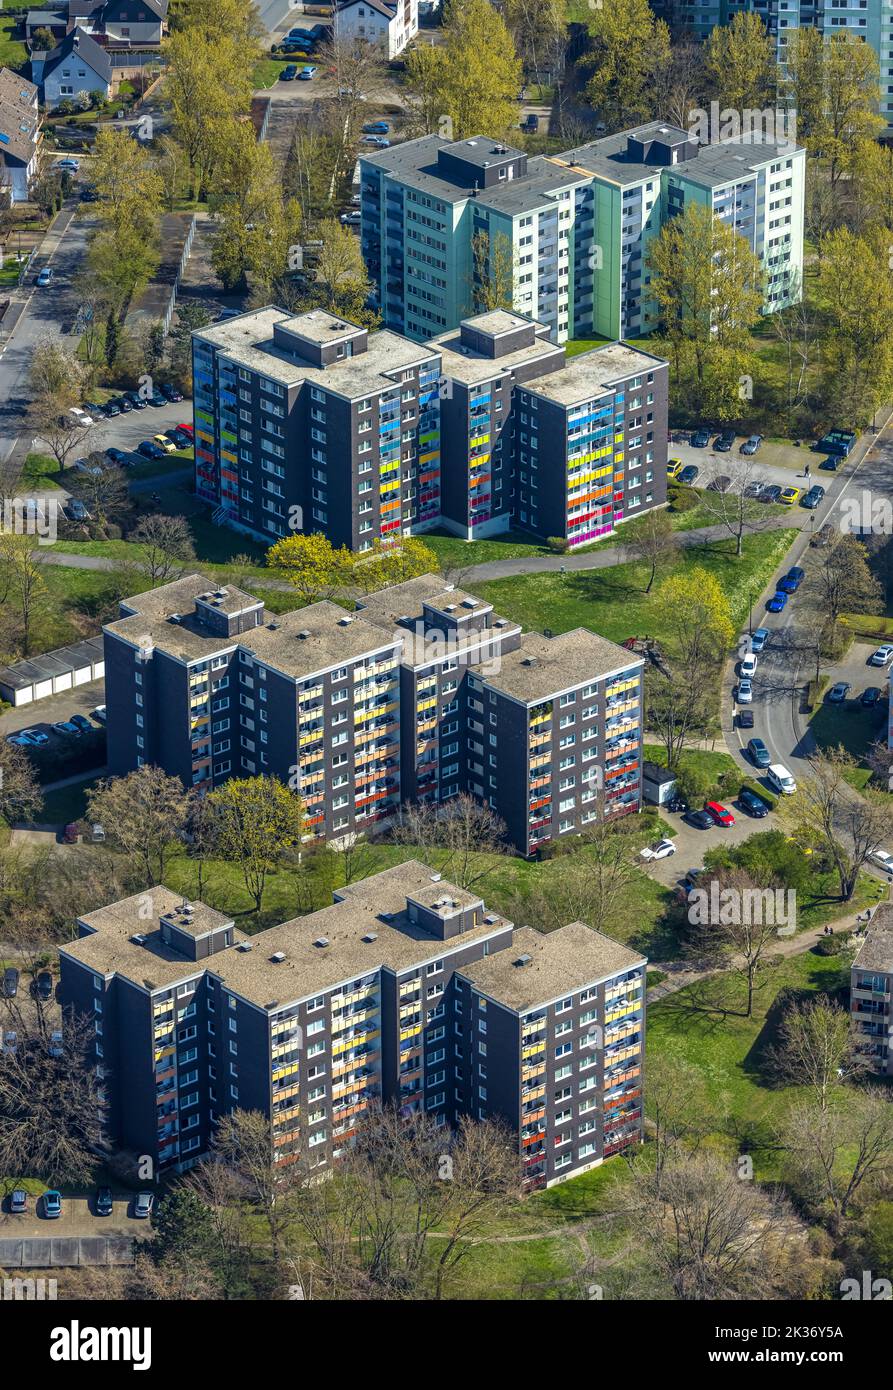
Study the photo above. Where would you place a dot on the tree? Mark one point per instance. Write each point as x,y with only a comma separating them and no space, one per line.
51,1108
858,333
167,546
55,385
341,272
467,838
592,885
142,814
828,813
849,107
805,80
245,1142
20,795
741,935
393,563
628,47
103,489
839,1152
256,227
676,1106
538,29
816,1048
735,510
841,581
254,820
312,565
126,180
678,84
797,327
208,84
699,633
22,584
708,286
472,78
357,65
652,540
740,63
493,272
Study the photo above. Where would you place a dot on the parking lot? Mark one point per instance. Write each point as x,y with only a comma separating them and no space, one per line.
692,844
781,464
128,431
78,1218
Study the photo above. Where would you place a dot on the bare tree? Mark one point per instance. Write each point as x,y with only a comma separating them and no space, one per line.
840,581
652,540
817,1048
839,1152
733,927
51,1105
20,796
142,814
847,826
797,328
245,1143
167,546
736,510
467,838
676,1108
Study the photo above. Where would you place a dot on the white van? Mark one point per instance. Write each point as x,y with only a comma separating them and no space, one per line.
780,779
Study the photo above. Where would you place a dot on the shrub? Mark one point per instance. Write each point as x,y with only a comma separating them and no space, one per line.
830,945
557,544
681,499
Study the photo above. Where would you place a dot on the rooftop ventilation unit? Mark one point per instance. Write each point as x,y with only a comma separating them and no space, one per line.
529,661
345,621
273,627
277,957
386,916
490,918
522,960
321,941
175,618
244,946
371,936
138,939
435,878
303,634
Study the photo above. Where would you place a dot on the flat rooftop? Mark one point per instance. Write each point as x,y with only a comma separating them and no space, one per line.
593,372
463,363
717,164
876,951
557,963
398,610
414,163
298,644
543,666
248,340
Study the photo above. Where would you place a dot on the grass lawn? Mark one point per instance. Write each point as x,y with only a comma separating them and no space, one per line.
717,764
67,804
454,553
704,1026
41,471
160,468
74,600
613,602
13,53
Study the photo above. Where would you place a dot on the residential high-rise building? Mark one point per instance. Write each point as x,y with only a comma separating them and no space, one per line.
420,695
450,227
405,991
871,990
384,437
309,423
559,448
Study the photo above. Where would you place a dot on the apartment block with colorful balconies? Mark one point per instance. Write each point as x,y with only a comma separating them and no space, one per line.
406,990
871,992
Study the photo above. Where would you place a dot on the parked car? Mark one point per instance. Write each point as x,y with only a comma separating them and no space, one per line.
99,714
778,777
166,445
75,510
143,1204
751,803
719,814
745,718
10,982
788,584
871,696
124,405
81,722
66,728
81,416
18,1202
10,1041
759,639
46,276
882,656
836,442
111,410
751,445
661,850
137,401
724,441
674,466
748,664
36,738
758,752
530,123
700,439
72,165
701,820
882,860
745,691
777,602
171,393
52,1204
150,450
180,438
813,498
789,496
288,73
116,456
350,219
753,489
838,693
104,1205
43,986
376,128
689,474
55,1047
307,74
187,429
770,493
157,400
381,142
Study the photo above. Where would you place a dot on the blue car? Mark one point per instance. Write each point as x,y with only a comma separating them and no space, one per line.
759,639
777,601
376,128
52,1204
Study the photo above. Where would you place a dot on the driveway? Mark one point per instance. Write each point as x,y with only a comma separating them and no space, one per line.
692,844
774,463
83,699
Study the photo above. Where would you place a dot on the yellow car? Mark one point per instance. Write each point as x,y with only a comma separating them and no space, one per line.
674,466
164,443
789,495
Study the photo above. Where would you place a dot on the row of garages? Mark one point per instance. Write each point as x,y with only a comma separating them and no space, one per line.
52,672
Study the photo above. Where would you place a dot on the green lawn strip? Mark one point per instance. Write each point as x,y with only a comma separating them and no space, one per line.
613,602
41,471
715,762
852,727
454,553
703,1025
67,804
13,53
160,468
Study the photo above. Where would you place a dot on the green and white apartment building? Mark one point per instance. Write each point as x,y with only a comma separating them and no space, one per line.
445,222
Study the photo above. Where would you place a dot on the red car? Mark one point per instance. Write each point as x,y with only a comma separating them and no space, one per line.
187,429
719,813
